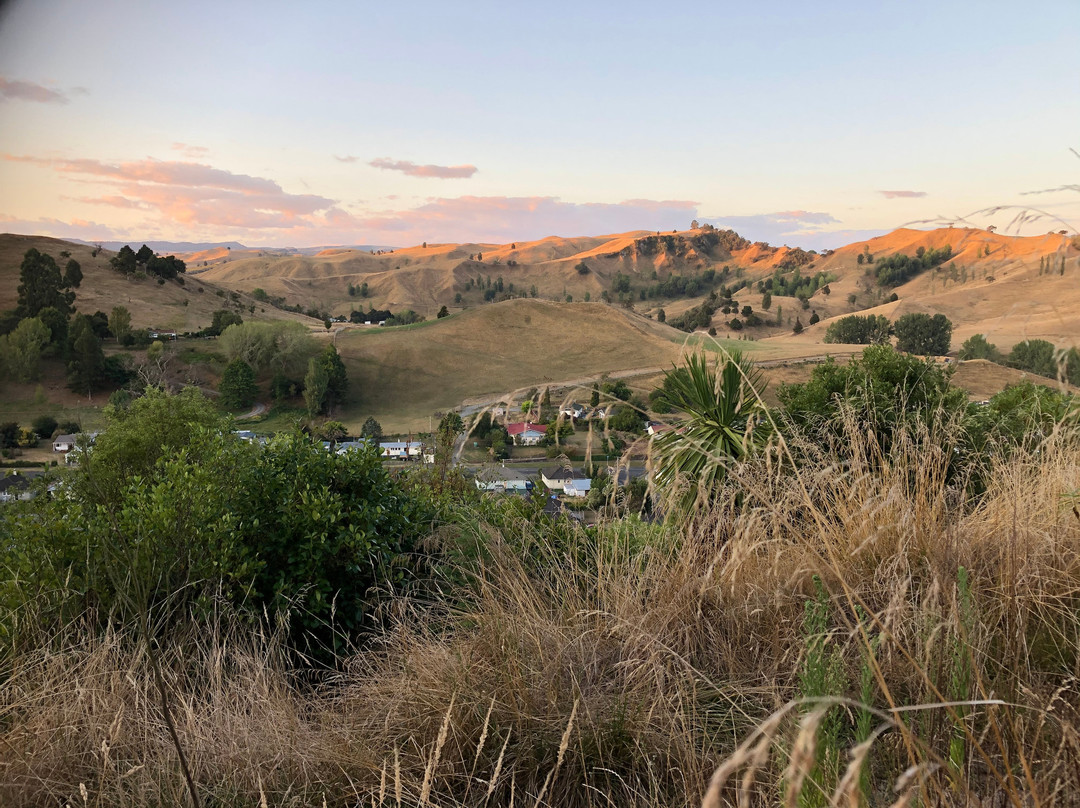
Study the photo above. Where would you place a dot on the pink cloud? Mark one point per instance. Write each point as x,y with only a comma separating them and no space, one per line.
190,151
58,228
348,158
902,194
501,218
29,91
192,193
428,171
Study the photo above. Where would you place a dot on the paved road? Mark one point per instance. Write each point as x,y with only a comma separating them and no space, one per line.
256,411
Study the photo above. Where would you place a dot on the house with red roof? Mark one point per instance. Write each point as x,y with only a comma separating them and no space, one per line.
526,434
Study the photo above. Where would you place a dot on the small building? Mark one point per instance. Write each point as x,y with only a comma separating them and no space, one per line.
655,428
578,487
557,479
573,410
401,449
524,434
64,443
502,480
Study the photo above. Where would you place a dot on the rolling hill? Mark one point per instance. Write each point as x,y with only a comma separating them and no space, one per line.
992,283
187,307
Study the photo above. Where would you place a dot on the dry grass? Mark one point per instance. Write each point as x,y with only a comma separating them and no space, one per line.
642,666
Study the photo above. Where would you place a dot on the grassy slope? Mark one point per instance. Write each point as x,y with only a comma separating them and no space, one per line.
403,375
1018,304
171,306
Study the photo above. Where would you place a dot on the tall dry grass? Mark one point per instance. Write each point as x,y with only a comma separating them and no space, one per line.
636,667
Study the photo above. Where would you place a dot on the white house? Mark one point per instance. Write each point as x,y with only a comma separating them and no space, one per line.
401,450
502,479
64,443
557,479
578,487
572,410
526,434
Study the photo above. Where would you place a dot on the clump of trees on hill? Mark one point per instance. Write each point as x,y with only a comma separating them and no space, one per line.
794,284
917,333
1036,356
44,326
898,268
129,262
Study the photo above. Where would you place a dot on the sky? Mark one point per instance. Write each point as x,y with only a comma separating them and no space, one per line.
324,123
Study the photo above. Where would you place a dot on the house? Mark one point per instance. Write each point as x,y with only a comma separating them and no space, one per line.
17,487
165,335
578,487
502,480
655,428
400,449
557,479
352,445
64,443
573,410
526,434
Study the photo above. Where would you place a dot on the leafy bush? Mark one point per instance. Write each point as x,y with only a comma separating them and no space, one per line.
855,329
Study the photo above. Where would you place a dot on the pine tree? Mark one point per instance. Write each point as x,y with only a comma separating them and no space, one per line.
237,388
798,326
86,367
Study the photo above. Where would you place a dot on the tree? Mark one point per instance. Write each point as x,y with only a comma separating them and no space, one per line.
144,255
337,380
977,347
333,431
766,301
661,316
443,312
372,430
124,261
798,329
222,319
44,426
883,390
41,285
315,383
814,319
237,387
120,322
919,333
873,329
725,423
72,274
86,365
21,350
1035,356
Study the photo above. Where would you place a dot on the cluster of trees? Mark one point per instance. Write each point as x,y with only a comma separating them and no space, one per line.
407,317
279,302
128,262
795,285
917,333
1032,355
898,268
358,291
44,325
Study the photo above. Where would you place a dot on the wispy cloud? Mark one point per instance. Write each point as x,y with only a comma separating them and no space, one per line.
58,228
39,93
428,171
796,228
348,158
192,193
190,151
502,218
902,194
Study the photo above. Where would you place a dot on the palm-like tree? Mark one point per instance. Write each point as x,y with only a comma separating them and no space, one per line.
725,423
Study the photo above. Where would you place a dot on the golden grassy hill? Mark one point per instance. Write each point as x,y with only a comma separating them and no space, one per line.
1008,308
170,306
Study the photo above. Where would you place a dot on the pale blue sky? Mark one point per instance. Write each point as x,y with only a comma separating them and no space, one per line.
259,122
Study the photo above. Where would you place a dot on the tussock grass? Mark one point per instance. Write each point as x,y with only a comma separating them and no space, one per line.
637,666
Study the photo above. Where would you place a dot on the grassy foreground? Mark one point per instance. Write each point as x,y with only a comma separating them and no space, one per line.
862,612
